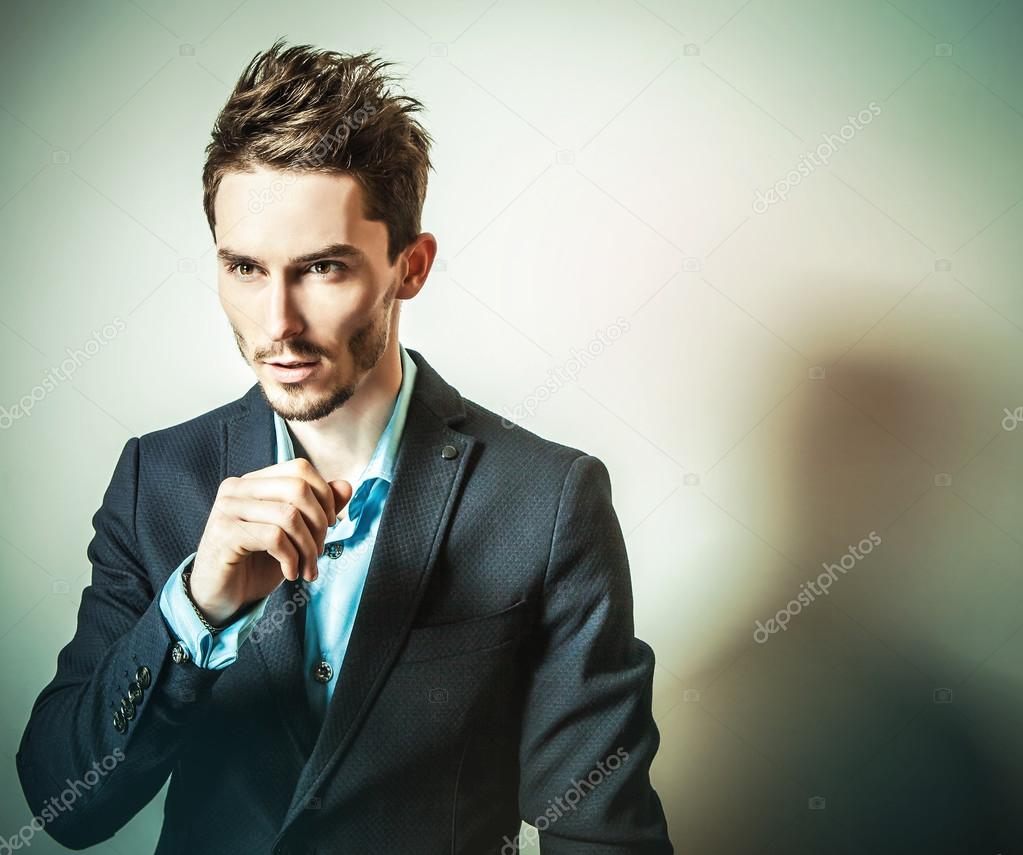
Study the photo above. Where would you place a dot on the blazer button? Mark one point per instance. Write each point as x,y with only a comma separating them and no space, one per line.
323,672
448,452
143,676
128,709
119,723
135,692
179,653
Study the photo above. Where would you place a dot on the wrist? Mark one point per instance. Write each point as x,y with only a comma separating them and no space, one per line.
213,622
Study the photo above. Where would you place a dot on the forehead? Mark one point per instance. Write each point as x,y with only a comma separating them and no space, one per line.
284,213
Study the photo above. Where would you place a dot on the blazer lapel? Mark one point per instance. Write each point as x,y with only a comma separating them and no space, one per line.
426,481
278,636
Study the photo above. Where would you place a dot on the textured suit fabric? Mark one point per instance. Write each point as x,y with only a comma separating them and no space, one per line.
492,667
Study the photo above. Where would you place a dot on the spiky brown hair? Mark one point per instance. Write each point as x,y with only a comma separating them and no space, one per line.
300,108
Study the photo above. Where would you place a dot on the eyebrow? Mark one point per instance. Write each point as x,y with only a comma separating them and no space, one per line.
336,250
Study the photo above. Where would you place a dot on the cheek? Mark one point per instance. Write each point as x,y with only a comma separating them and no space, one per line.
337,315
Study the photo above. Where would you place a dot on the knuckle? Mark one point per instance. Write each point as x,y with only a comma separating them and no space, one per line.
297,489
218,520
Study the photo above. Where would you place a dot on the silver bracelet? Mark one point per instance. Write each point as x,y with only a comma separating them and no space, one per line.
213,630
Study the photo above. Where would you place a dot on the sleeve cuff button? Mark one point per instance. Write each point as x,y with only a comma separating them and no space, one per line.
143,676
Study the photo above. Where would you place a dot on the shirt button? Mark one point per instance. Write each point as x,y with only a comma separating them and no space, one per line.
323,672
334,550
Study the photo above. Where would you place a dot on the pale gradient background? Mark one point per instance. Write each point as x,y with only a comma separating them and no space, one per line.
790,380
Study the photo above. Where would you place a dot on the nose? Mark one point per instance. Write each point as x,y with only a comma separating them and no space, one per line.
283,318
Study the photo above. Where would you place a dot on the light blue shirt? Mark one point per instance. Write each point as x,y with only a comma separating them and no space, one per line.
335,594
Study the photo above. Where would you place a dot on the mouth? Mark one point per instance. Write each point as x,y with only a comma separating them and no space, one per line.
293,370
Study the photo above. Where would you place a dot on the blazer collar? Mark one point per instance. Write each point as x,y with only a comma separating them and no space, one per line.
431,465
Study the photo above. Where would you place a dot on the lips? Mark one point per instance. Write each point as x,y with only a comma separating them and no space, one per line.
293,371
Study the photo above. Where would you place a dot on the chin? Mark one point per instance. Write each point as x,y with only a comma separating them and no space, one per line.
304,401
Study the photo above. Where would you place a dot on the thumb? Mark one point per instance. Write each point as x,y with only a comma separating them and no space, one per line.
342,491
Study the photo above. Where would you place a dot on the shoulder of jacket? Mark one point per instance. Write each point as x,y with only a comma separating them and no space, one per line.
500,432
202,429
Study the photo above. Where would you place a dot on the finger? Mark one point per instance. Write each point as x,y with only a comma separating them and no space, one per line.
283,516
301,468
291,489
342,493
269,538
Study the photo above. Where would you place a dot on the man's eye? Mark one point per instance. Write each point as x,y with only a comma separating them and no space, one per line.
336,264
238,268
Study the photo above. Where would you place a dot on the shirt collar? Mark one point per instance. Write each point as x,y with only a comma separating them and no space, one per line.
381,463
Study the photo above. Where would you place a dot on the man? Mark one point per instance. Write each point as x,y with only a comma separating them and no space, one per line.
351,611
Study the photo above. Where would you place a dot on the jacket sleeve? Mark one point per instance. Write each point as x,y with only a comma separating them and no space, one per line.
588,735
207,650
84,769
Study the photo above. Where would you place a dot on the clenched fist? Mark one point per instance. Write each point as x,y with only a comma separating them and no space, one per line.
266,526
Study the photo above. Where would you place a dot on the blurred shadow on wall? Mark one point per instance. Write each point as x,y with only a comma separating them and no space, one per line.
906,770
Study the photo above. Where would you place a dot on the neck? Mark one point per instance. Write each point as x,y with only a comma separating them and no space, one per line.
340,444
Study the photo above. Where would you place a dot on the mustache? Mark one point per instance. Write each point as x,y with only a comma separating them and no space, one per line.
296,349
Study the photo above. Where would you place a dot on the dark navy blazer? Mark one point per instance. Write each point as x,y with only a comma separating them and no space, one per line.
492,674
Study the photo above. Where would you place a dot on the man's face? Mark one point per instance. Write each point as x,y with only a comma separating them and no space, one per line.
304,278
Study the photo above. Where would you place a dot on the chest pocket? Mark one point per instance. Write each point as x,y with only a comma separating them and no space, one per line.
438,641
